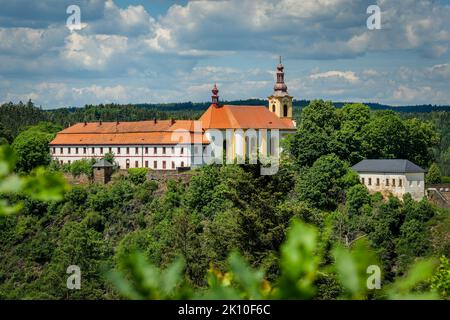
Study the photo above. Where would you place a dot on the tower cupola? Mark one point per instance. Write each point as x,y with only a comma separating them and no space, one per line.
215,95
280,102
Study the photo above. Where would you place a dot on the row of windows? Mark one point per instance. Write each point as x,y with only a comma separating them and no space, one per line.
118,150
146,164
387,182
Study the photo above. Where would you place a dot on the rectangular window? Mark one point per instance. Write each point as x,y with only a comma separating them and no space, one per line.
400,182
76,150
53,150
128,164
136,150
378,181
155,164
155,150
61,150
173,165
68,162
84,150
93,150
393,182
110,150
182,151
146,150
370,182
128,150
118,150
101,150
362,181
164,164
173,150
164,150
182,163
387,182
136,164
146,164
68,150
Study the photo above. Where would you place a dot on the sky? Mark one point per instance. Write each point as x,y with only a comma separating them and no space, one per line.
136,51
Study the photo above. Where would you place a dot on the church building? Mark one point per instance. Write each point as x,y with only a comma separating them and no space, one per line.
171,144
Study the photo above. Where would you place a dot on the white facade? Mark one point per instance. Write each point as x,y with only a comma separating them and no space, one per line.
397,184
156,157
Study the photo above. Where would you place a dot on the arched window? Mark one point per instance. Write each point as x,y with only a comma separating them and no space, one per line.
273,108
285,110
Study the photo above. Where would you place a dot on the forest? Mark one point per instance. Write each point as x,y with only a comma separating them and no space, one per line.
308,232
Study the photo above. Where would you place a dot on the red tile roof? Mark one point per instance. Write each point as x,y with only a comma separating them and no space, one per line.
122,133
243,117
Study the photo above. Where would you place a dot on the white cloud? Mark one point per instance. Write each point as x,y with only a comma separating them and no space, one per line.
349,76
92,52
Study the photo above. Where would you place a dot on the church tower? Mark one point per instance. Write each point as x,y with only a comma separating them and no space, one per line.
280,102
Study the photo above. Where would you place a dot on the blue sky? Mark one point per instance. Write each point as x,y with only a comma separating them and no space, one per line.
135,51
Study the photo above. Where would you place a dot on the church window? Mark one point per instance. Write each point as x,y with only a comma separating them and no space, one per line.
273,108
285,110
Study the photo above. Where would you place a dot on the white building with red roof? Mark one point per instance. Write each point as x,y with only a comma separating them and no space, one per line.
239,131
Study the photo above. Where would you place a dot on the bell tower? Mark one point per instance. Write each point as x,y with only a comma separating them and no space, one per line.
280,102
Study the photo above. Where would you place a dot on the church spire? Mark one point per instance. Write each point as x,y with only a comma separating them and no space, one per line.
280,88
215,95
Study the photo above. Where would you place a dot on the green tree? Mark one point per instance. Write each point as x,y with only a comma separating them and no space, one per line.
137,175
434,174
31,147
318,123
324,184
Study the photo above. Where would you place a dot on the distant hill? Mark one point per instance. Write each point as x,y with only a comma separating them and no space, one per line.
297,103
